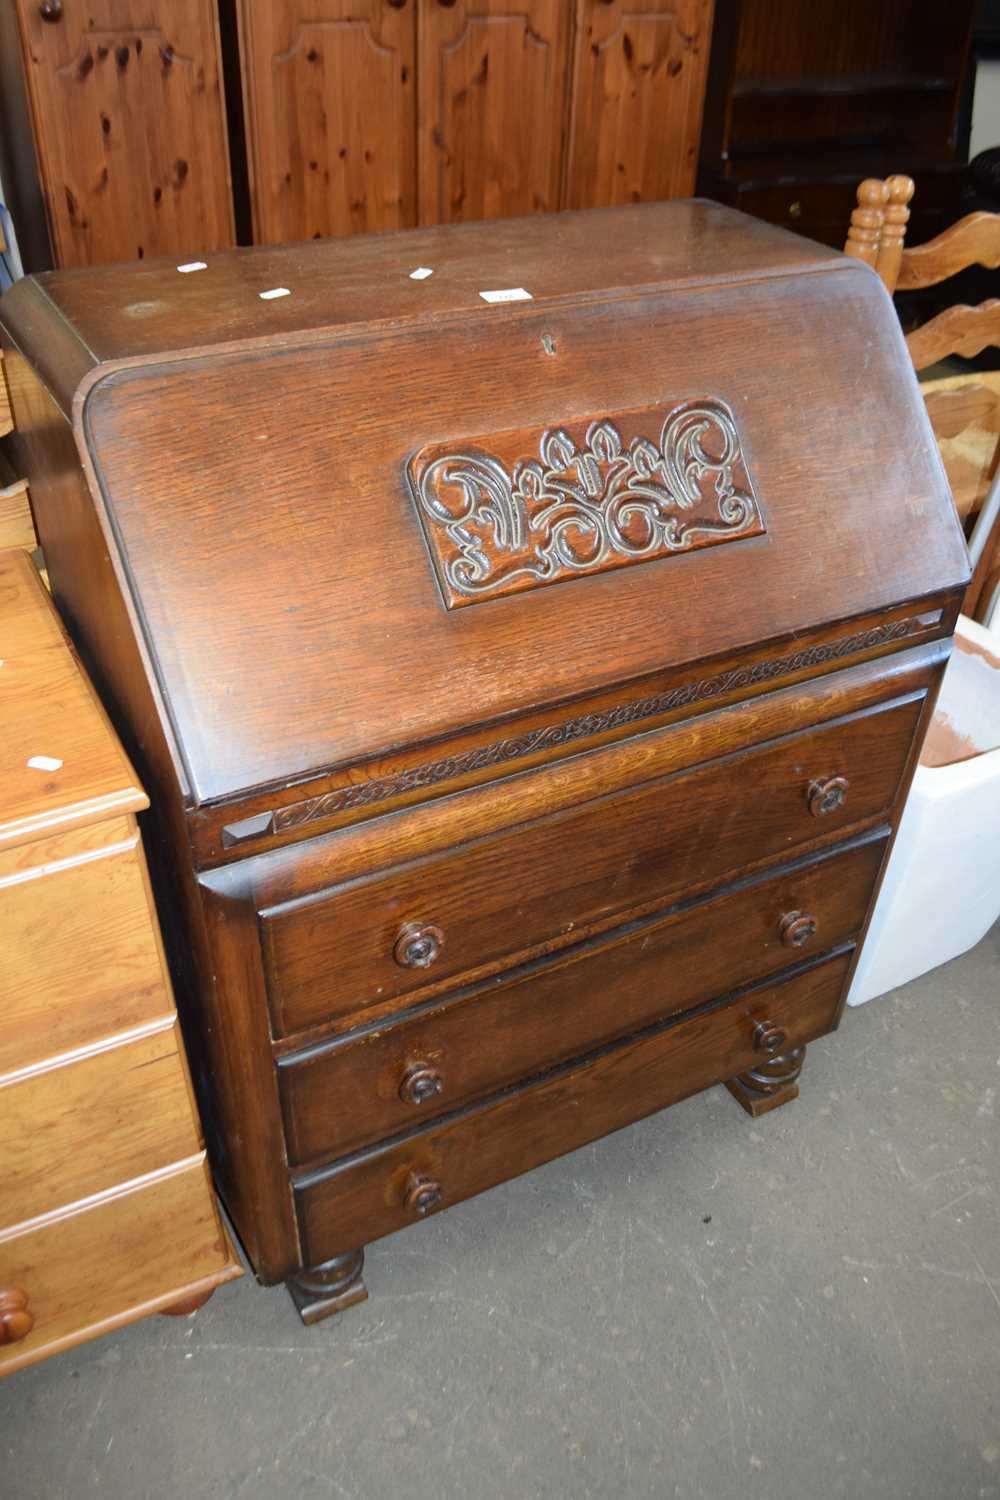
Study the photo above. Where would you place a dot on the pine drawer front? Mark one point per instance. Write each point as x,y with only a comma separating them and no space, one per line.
374,1193
84,1128
333,953
84,1272
81,955
355,1091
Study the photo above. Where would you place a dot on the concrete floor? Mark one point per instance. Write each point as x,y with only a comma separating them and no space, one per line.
699,1306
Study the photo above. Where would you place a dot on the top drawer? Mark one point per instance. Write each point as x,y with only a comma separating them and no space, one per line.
364,942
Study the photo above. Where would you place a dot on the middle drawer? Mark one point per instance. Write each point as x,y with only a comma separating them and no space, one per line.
514,895
345,1094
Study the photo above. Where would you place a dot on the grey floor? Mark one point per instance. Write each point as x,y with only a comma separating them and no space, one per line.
805,1306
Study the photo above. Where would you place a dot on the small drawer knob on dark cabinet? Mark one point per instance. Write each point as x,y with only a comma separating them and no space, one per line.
769,1038
51,10
828,795
796,928
421,1194
418,945
420,1082
16,1322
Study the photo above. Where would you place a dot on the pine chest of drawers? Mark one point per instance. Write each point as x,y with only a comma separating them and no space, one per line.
527,684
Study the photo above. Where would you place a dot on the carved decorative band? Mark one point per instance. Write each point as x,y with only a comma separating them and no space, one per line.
599,496
548,736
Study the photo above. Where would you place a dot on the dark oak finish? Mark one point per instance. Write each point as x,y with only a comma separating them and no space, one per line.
374,1192
343,1095
324,956
449,890
806,97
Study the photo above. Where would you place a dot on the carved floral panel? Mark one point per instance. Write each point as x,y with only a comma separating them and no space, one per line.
529,508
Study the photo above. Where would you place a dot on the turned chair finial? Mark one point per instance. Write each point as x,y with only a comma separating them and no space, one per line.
864,235
895,220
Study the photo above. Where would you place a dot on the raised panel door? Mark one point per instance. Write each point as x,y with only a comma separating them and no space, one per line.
130,127
493,76
638,89
331,115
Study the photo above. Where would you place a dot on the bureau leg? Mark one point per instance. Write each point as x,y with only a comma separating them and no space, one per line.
320,1291
771,1083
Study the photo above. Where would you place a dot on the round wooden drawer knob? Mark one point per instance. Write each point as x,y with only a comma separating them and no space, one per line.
51,10
827,796
16,1322
796,928
418,945
421,1194
769,1038
420,1083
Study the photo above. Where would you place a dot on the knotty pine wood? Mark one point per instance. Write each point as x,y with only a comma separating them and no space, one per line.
362,1198
493,80
130,127
638,89
50,711
330,952
340,1097
82,961
329,92
82,1128
135,1252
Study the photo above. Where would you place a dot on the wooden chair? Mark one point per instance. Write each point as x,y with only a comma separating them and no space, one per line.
964,409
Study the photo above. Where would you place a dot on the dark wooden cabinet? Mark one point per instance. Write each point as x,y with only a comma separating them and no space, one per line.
528,690
130,126
806,99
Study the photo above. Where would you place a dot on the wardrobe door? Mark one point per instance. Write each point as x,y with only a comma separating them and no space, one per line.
493,76
638,87
130,126
329,94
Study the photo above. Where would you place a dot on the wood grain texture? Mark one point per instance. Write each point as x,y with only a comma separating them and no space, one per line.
50,711
639,73
81,957
493,80
329,953
364,1198
973,241
324,713
961,330
85,1127
329,90
130,128
133,1253
350,1094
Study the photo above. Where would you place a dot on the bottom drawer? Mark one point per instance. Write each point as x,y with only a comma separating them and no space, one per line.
345,1206
83,1273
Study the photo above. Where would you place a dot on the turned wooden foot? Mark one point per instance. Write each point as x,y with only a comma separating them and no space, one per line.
774,1080
320,1291
187,1305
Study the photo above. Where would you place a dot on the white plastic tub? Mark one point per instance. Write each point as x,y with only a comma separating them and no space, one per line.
941,893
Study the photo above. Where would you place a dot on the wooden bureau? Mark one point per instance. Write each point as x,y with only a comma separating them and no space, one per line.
106,1209
528,687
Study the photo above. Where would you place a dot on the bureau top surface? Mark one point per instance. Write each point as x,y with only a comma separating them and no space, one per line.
60,762
379,511
155,308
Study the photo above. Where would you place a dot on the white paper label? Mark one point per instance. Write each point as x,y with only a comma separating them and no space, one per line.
192,265
509,294
276,291
44,763
421,273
